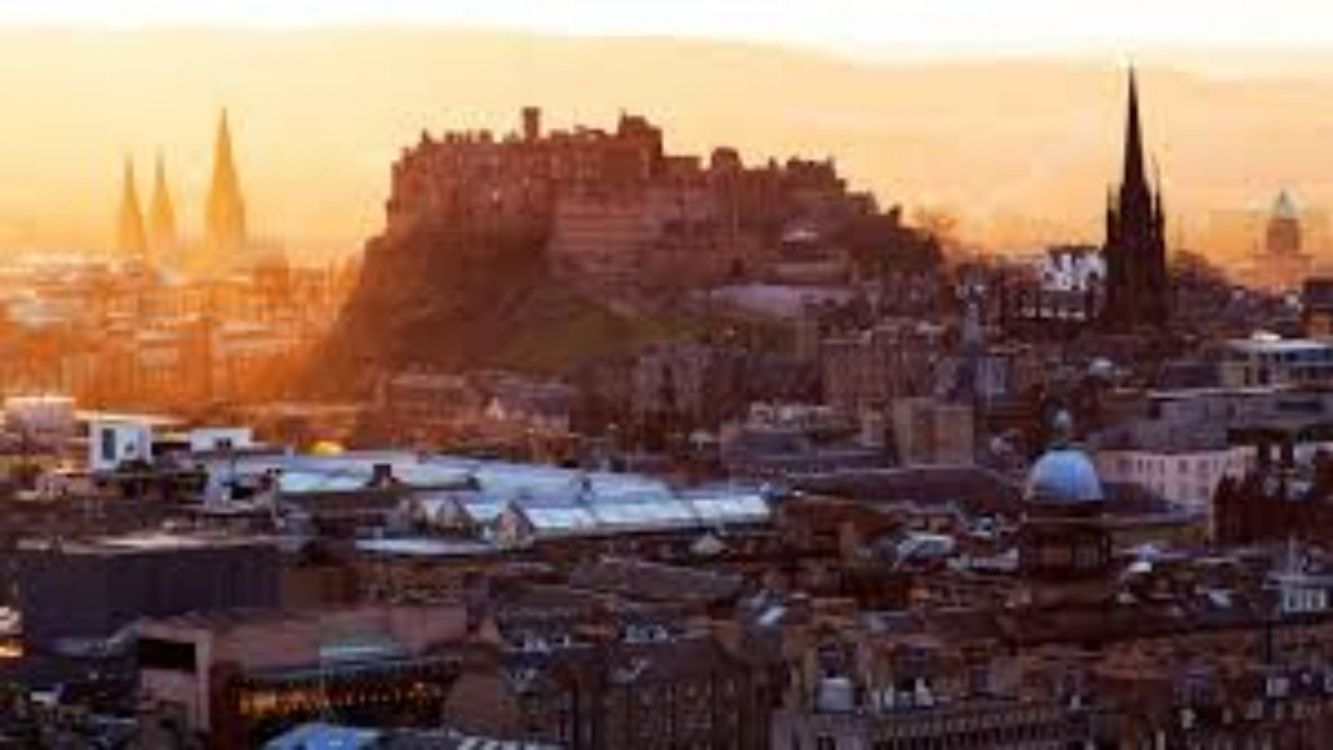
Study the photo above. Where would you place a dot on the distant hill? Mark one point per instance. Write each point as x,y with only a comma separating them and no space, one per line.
1021,150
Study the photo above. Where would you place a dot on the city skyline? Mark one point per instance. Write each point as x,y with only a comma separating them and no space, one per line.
915,132
852,28
589,375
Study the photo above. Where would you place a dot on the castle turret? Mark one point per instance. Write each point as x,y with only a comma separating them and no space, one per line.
130,242
161,216
225,213
532,124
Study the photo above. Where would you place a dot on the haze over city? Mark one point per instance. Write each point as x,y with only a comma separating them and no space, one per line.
593,374
905,101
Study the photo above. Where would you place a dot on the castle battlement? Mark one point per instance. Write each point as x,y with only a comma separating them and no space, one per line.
614,205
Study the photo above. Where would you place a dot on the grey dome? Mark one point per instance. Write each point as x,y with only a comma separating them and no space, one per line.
1063,475
1284,207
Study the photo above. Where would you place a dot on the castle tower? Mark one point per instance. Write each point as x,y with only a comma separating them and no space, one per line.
225,213
130,243
1137,290
161,217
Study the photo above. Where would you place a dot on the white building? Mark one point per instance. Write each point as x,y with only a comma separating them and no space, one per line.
115,440
1266,359
1071,268
1187,477
206,439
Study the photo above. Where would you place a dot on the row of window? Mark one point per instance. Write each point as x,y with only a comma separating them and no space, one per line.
1200,466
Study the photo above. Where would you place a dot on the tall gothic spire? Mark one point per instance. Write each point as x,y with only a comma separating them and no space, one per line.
130,235
1133,173
161,215
1137,287
1159,214
226,208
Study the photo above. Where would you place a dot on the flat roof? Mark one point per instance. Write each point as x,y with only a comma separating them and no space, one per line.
221,620
152,420
1209,391
424,547
1277,345
141,542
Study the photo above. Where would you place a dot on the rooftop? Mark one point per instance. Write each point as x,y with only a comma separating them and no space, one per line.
423,547
552,499
1269,344
142,542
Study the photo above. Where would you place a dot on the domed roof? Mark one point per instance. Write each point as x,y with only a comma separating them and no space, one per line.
1063,475
1284,207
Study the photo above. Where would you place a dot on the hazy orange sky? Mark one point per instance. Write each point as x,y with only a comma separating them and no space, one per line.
1020,137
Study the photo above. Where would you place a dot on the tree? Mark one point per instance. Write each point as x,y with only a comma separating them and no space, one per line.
880,245
939,224
1192,268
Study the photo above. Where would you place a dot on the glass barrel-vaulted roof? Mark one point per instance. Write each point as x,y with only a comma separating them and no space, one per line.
553,499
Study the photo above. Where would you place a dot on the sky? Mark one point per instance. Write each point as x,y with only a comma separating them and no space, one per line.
873,28
1008,114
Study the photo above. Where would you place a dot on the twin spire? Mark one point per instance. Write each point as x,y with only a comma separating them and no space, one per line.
225,219
224,212
161,214
130,240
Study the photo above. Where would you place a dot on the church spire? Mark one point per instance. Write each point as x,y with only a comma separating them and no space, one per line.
130,235
1137,287
1133,172
226,208
1159,214
161,214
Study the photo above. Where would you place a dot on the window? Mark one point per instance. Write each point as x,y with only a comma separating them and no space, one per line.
157,653
1054,555
108,447
1088,557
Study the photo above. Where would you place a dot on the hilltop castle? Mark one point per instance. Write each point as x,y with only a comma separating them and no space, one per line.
549,250
156,242
613,211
